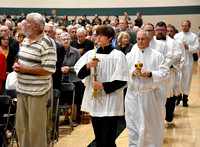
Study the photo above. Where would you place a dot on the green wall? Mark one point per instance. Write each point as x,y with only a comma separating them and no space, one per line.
110,11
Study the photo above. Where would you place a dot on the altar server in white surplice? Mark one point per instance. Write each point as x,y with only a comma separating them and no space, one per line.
190,43
113,75
172,82
165,51
171,32
144,118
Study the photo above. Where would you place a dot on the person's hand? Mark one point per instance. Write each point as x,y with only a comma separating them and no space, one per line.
136,72
22,68
65,69
92,63
145,74
80,51
16,67
97,85
185,45
13,100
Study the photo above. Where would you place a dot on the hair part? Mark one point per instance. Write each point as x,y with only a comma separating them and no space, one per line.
81,30
71,27
50,25
146,32
121,35
64,34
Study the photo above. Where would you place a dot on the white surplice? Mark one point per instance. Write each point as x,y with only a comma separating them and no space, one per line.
191,40
143,101
177,59
111,67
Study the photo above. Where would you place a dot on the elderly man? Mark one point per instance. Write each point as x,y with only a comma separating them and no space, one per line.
12,42
81,43
9,25
123,26
37,61
172,81
144,119
58,32
72,32
49,30
190,42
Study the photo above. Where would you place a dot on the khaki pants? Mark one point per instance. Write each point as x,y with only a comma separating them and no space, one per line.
31,120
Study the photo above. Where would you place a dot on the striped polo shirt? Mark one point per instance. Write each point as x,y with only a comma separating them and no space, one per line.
40,53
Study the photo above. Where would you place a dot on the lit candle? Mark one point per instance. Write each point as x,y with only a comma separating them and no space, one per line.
95,45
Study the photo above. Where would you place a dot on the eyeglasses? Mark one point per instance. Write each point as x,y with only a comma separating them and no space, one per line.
5,39
48,31
142,39
160,30
80,37
184,25
66,39
149,30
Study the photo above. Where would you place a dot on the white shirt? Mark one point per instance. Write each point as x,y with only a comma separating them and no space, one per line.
111,67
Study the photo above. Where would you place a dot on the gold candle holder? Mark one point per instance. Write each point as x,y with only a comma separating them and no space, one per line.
95,93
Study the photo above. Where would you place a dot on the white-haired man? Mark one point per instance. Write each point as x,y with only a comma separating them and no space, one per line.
144,118
37,61
81,43
49,30
58,33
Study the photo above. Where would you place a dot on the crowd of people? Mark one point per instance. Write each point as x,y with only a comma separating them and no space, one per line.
152,63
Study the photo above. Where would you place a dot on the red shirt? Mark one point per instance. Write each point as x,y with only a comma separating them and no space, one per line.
3,66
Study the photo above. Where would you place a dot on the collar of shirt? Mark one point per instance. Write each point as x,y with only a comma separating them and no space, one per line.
39,39
106,50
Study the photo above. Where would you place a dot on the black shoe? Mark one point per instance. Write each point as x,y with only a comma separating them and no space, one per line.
169,118
185,100
185,104
179,99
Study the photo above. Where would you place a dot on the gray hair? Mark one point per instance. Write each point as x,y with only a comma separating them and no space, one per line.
5,27
59,30
146,32
38,19
64,34
50,25
81,30
71,27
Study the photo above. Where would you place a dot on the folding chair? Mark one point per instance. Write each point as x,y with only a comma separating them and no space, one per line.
5,103
13,94
55,115
68,87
